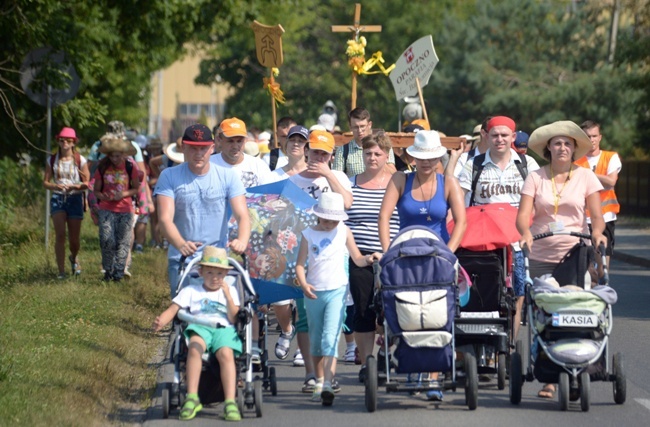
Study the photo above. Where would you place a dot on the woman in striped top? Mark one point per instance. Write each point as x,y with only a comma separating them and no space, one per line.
368,190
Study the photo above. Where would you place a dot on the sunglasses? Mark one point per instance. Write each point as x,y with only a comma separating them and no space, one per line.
70,140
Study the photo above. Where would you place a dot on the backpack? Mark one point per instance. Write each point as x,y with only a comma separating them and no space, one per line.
477,169
346,153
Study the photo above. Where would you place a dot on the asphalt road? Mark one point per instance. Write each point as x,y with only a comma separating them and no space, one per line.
630,336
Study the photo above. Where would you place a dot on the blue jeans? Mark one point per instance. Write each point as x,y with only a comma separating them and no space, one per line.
325,315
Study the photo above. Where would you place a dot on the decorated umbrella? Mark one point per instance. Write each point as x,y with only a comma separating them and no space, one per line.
489,227
279,212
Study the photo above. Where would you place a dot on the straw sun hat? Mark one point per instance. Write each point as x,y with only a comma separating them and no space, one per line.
215,257
541,136
111,144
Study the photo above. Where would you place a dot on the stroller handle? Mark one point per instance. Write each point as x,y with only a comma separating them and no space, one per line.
565,233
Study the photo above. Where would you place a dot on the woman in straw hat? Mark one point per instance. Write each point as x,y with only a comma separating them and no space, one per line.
66,175
115,185
556,197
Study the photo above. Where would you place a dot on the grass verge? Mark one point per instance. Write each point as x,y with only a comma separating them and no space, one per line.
75,351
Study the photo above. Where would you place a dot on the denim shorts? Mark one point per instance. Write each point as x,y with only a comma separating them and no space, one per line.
71,204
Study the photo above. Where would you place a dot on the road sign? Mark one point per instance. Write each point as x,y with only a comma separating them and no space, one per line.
417,61
43,67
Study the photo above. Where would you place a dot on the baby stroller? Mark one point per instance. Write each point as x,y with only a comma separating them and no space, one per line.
568,334
418,295
485,326
249,391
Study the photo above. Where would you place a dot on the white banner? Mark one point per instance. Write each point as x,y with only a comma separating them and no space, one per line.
418,60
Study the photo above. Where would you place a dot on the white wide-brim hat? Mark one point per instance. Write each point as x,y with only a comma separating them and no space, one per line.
330,206
426,146
541,136
174,155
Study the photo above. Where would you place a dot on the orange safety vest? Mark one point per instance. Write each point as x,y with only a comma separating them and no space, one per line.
608,202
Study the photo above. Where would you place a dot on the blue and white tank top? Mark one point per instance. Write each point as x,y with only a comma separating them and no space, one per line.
431,213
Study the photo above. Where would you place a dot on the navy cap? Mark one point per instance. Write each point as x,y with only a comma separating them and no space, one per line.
198,134
298,130
521,140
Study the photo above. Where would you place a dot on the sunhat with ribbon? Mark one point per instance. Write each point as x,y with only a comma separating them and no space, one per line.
426,146
215,257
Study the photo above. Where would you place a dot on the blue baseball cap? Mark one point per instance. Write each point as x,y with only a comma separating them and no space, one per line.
521,141
298,130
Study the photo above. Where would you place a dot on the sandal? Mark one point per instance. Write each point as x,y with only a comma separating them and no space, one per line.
231,411
283,345
191,407
76,268
547,392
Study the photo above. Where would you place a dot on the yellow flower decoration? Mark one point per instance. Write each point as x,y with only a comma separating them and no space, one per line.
356,52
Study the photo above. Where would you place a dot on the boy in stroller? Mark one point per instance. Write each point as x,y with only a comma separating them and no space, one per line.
217,301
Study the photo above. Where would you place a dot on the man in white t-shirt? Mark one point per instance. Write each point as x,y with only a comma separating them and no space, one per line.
232,136
499,178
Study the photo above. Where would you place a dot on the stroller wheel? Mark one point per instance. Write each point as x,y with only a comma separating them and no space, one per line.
240,400
620,381
471,381
165,400
501,371
273,381
516,380
584,391
371,384
258,399
563,391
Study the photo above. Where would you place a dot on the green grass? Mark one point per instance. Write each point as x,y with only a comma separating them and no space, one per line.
74,352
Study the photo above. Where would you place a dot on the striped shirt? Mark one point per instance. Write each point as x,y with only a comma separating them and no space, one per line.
363,217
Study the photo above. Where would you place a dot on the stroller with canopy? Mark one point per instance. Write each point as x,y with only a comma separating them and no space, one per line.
485,326
419,299
568,334
249,390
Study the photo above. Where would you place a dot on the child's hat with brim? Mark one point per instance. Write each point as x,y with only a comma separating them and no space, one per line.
330,206
215,257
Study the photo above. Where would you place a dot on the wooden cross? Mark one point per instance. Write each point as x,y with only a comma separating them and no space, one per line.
356,29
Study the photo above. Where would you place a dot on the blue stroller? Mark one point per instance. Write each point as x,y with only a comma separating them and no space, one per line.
249,390
419,300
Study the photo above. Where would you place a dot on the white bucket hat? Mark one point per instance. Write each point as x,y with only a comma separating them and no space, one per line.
174,154
426,146
330,206
541,136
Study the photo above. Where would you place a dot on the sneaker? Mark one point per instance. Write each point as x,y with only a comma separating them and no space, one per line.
327,395
107,277
297,359
349,355
76,268
308,385
138,249
336,387
256,355
61,276
362,374
434,396
316,393
357,359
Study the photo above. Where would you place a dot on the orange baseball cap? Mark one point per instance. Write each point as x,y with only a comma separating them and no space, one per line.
321,140
233,127
422,122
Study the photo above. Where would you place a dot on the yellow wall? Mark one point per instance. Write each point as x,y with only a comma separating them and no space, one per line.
176,84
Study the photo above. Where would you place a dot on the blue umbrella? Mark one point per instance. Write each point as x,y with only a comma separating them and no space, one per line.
279,212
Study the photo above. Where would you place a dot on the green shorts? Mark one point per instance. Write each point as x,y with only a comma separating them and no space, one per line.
301,323
215,338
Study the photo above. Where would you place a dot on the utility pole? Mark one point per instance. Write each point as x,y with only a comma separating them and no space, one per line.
613,31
